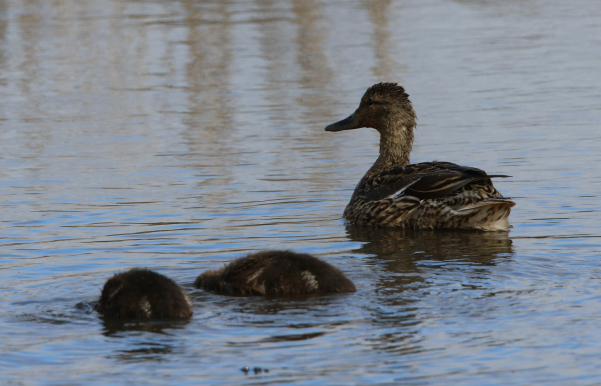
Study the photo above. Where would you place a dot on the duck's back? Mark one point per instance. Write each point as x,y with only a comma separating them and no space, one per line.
141,293
275,273
430,195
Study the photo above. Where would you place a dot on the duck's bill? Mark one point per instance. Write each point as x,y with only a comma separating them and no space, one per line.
350,123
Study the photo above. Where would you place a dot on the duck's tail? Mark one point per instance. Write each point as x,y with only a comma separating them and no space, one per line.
488,215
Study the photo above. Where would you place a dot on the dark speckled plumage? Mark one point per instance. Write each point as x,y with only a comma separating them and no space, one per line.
275,273
141,293
425,195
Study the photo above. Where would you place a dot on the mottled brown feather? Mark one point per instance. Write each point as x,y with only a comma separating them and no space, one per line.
141,293
275,273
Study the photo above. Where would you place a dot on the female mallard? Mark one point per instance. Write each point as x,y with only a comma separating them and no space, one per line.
425,195
140,294
275,273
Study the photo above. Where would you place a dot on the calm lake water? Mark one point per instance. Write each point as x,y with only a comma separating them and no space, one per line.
177,135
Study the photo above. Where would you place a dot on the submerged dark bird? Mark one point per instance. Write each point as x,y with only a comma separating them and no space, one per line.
424,195
141,293
275,273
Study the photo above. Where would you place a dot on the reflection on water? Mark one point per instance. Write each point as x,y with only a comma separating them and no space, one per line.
179,135
116,327
400,254
143,354
440,244
386,69
143,341
400,251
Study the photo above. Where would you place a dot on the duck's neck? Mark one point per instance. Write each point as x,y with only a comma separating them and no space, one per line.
395,147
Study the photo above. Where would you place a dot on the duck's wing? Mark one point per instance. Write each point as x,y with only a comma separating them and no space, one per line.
427,180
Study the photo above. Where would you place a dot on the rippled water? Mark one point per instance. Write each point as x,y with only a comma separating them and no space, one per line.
178,135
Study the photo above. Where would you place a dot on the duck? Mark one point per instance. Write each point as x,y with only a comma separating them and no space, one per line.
140,293
275,272
396,193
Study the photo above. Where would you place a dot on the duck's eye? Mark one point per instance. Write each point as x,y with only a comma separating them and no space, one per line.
370,102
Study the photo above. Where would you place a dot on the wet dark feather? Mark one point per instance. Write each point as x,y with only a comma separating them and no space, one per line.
427,180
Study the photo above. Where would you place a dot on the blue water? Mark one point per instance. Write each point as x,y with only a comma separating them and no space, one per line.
179,135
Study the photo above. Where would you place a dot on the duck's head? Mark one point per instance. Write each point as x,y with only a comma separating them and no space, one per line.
384,107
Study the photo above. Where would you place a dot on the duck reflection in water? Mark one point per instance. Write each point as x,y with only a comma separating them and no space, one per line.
415,264
148,351
411,245
410,256
116,327
404,253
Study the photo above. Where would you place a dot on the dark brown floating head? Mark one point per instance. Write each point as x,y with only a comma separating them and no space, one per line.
275,273
140,294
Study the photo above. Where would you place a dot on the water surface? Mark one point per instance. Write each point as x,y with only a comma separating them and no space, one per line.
178,135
